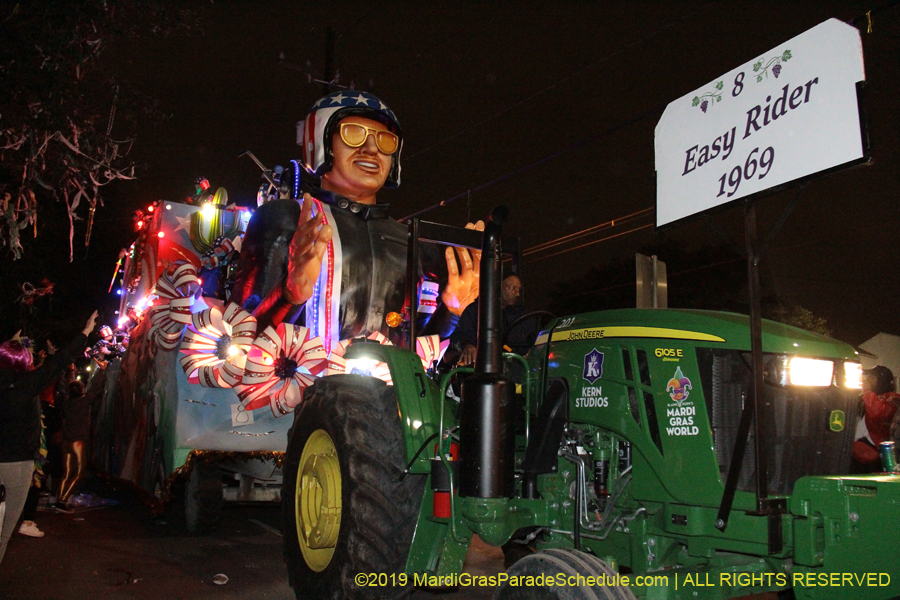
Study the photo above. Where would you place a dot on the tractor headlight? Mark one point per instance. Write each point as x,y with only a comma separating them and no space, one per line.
811,371
853,375
361,365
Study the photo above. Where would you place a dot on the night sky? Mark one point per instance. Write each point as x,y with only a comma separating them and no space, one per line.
546,107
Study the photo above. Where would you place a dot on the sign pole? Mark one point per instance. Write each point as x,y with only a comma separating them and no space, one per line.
758,399
758,388
772,509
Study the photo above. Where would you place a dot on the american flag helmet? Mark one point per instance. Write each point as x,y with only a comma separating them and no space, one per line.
314,133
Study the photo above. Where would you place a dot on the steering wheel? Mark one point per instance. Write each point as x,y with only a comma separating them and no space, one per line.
527,316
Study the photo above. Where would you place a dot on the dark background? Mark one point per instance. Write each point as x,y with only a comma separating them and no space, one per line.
546,107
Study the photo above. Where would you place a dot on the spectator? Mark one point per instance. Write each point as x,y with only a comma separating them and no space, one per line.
48,464
76,433
20,416
28,527
880,403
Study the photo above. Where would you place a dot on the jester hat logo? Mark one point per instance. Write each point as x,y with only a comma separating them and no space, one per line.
678,387
593,366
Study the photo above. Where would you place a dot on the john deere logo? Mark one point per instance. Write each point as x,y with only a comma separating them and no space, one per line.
836,420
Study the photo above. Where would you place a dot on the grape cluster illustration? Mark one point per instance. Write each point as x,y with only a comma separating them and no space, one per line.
773,65
704,100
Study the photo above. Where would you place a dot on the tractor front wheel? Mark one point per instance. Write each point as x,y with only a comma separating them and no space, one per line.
344,508
568,563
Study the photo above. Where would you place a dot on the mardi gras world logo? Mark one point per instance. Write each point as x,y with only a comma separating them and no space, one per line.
679,387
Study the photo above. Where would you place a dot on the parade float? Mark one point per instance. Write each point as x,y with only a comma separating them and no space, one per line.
169,404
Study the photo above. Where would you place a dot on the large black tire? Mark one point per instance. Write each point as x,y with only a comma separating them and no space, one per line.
558,561
203,502
377,511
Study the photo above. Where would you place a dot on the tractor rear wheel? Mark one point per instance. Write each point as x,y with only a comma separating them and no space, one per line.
558,561
344,509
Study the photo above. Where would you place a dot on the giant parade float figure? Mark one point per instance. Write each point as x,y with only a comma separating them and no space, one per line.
242,313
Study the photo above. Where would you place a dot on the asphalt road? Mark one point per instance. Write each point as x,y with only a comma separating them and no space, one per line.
122,553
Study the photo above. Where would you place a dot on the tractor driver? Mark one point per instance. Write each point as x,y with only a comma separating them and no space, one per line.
518,339
332,252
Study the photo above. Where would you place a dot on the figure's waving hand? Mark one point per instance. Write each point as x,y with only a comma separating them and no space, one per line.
307,249
462,285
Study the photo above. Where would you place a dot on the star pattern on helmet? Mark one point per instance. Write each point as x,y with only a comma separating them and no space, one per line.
362,99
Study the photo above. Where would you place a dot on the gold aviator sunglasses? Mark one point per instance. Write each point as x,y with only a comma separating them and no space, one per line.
355,135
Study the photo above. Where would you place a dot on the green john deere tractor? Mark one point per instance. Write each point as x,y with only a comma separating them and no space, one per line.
615,460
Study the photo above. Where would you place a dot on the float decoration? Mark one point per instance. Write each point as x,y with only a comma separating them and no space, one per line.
208,225
281,363
220,252
30,293
431,349
215,346
177,293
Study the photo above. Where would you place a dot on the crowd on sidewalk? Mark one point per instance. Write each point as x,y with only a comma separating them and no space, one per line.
45,423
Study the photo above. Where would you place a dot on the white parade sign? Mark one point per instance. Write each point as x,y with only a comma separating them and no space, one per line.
789,113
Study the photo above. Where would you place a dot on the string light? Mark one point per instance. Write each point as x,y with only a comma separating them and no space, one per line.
296,178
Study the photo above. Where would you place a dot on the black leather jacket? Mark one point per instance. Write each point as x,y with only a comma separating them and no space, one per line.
373,268
519,339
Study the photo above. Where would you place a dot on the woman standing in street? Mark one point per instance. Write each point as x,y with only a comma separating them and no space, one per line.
76,431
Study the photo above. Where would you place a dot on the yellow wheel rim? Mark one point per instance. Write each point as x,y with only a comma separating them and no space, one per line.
317,506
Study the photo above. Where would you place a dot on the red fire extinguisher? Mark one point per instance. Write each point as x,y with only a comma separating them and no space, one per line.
440,480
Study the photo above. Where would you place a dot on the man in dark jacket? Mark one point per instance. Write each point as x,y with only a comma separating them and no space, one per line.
518,339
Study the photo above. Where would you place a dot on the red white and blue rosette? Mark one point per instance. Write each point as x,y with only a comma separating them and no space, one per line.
215,346
176,292
431,349
281,363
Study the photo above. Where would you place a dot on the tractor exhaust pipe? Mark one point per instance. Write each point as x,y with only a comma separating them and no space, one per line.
486,431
